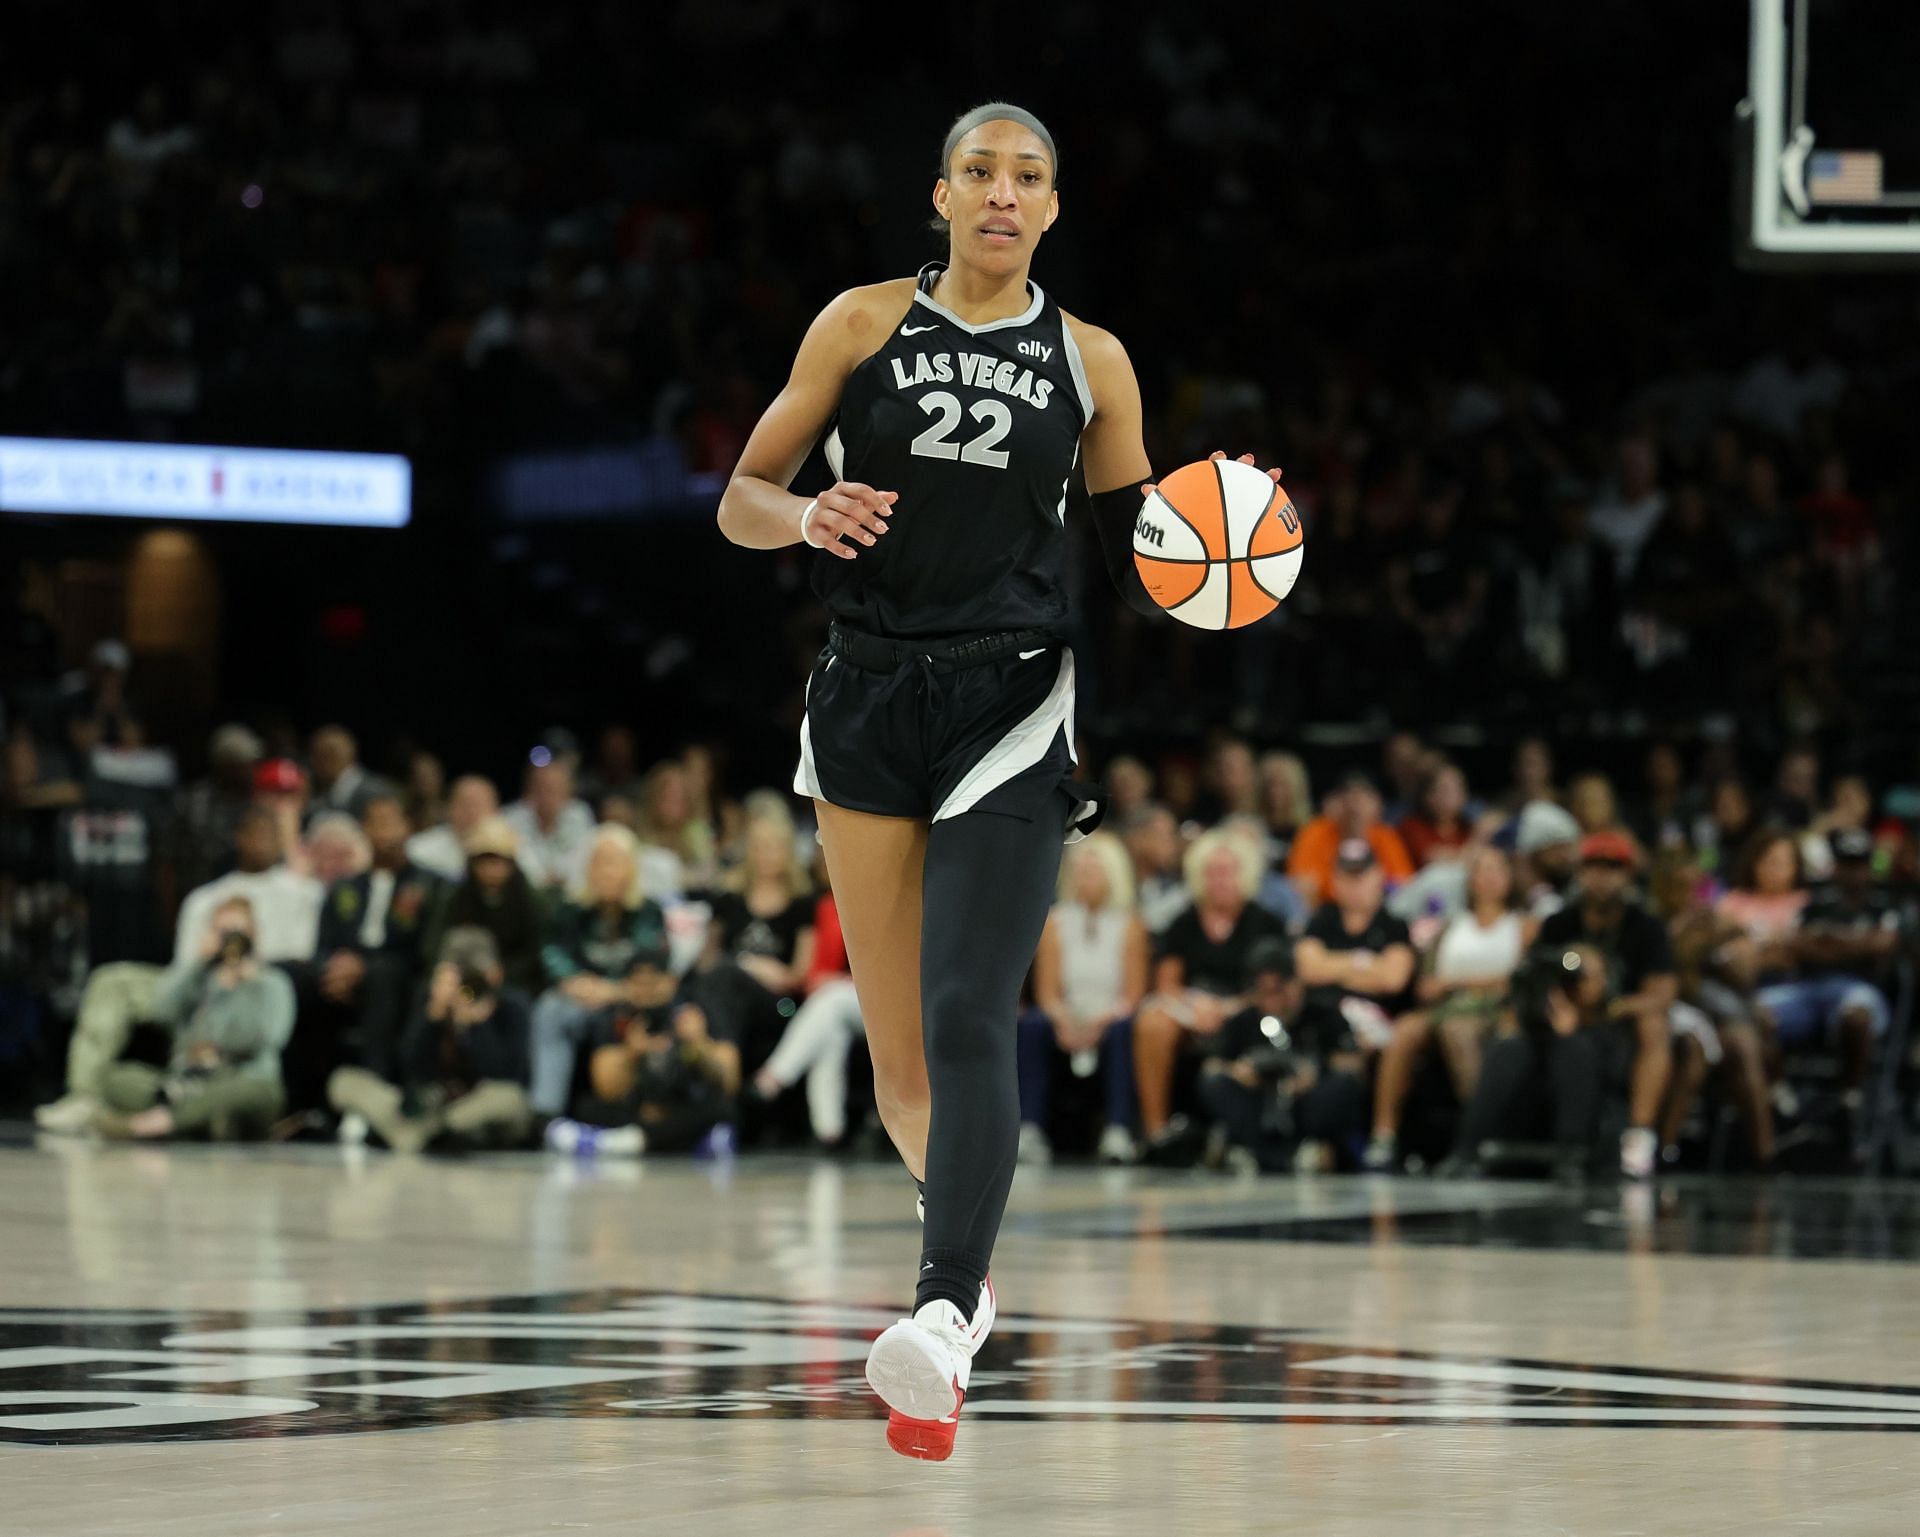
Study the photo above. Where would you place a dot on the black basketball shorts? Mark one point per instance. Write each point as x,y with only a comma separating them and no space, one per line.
931,729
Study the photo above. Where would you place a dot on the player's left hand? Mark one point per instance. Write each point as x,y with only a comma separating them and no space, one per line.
1274,474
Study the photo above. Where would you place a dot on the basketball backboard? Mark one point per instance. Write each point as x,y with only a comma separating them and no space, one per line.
1827,144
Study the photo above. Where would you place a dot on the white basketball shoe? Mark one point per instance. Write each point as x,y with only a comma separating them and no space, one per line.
920,1368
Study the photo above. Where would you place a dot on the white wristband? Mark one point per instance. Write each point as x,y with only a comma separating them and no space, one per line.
806,512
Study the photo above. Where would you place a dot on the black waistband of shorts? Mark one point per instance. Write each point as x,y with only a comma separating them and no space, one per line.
877,653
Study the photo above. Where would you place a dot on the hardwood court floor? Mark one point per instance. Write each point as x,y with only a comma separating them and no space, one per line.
302,1340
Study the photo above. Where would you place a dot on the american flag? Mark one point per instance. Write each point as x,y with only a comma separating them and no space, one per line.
1844,176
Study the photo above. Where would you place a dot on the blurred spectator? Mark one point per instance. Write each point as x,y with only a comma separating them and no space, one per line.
615,769
1199,977
1638,987
425,797
1591,800
1088,979
1152,836
284,906
335,850
606,950
1682,611
1842,950
664,1078
1714,1022
494,896
678,850
1555,1072
1532,776
231,1014
97,697
1796,788
1849,809
1276,892
1129,787
1352,811
816,1043
354,995
1286,799
1275,1103
1232,784
1437,827
1765,903
1438,588
710,804
339,782
1567,596
1727,827
1463,991
1404,765
210,809
282,918
760,944
463,1064
1664,815
1627,511
554,829
1547,844
442,846
1356,958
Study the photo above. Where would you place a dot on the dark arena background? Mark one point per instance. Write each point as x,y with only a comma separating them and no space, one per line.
395,753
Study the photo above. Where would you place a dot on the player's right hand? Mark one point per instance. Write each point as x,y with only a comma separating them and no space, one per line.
846,515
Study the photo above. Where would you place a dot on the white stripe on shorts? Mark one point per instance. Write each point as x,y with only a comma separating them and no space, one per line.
1022,747
806,778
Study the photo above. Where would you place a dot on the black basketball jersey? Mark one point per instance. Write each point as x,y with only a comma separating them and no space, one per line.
978,429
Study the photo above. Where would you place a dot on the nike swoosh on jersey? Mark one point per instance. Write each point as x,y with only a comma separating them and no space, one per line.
916,330
1028,656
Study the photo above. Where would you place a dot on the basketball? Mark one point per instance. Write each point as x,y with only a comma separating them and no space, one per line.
1218,544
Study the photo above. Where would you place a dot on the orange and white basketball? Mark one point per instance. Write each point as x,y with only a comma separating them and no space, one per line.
1218,544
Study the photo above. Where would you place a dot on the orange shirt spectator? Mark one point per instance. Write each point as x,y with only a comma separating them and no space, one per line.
1352,811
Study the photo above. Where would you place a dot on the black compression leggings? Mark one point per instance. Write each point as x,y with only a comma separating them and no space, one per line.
989,882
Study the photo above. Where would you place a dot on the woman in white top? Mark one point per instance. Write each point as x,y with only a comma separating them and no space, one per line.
1088,978
1463,987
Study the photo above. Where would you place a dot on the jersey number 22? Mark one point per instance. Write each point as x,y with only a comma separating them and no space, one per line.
935,444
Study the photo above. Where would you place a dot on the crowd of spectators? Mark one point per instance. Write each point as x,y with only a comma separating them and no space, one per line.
1561,472
1528,437
1399,973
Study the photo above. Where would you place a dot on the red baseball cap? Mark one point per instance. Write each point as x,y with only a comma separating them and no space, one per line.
278,776
1609,848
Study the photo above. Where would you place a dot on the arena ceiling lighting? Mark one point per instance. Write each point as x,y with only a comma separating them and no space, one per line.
65,476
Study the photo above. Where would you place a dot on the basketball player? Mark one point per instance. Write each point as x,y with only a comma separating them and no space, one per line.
937,745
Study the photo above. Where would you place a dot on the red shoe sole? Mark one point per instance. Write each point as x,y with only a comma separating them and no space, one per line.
925,1440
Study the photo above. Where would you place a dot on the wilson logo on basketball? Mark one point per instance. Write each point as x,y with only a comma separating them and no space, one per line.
1218,544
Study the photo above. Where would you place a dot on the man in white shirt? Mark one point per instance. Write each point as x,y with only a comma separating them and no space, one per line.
553,827
442,849
286,906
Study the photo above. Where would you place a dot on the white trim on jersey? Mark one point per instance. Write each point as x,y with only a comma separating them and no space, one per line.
836,454
1079,371
1032,313
1022,747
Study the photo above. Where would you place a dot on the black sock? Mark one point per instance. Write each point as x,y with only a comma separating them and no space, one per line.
954,1275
